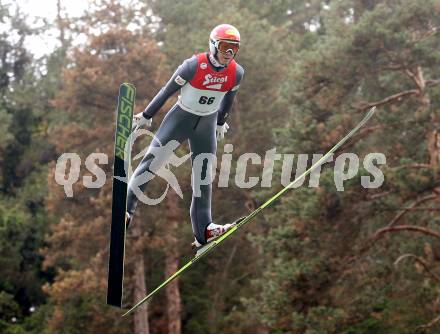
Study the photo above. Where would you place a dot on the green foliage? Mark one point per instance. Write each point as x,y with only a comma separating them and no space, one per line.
306,286
8,307
24,155
5,123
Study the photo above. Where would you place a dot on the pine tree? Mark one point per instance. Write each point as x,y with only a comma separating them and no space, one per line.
317,280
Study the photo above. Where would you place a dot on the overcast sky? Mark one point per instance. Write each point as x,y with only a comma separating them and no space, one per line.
47,9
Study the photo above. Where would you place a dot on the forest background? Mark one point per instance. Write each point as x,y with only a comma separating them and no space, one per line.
317,261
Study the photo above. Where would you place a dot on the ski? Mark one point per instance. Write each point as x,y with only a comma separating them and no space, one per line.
243,221
124,119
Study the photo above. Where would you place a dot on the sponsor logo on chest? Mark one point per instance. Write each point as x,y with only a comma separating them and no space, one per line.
214,82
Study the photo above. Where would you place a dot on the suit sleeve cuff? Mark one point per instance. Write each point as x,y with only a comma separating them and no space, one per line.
146,115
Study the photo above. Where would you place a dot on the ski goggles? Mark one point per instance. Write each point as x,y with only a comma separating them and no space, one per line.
228,47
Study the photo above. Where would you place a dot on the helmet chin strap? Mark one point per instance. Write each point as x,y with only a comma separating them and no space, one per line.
214,61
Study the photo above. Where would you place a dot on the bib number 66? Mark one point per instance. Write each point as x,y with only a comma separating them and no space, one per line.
206,100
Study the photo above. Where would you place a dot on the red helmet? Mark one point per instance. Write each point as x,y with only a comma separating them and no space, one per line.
224,38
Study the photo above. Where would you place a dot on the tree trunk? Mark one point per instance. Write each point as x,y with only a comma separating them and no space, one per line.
61,25
434,133
174,306
434,151
140,289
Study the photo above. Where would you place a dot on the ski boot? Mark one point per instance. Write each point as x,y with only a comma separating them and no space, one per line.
212,232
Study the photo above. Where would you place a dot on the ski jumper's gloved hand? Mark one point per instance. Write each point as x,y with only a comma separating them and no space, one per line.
139,120
221,130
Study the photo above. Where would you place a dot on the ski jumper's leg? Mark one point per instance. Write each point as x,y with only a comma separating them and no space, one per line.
176,125
203,146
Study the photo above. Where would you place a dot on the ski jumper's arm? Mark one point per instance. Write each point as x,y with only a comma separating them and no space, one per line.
184,73
226,104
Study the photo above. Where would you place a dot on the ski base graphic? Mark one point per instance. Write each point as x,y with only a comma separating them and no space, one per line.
124,119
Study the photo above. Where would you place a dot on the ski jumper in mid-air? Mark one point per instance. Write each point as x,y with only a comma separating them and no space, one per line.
208,83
